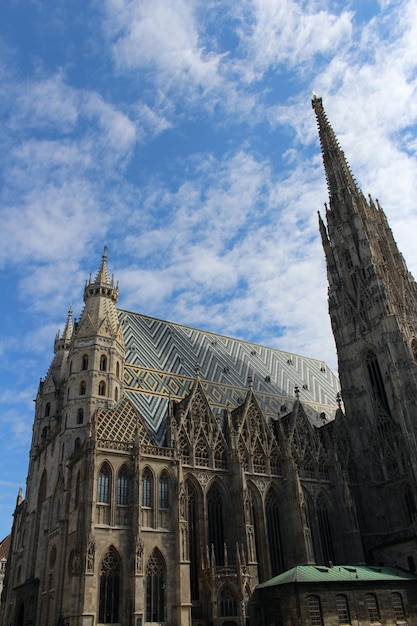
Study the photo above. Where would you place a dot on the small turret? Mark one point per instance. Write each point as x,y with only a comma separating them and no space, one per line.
96,357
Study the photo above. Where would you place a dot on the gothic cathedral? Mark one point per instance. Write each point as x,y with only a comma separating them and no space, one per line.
172,470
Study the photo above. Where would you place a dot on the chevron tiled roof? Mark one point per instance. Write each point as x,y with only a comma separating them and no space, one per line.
161,358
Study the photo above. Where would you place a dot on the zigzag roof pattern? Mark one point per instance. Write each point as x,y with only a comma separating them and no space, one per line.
161,358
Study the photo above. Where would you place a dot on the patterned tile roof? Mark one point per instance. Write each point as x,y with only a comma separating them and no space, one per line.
160,364
121,424
338,573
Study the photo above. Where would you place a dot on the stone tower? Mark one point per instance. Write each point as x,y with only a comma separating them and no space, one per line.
373,310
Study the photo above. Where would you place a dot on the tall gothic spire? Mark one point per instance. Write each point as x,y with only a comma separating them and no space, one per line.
338,174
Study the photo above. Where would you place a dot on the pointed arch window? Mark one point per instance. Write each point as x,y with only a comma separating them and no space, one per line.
215,523
375,379
228,603
109,588
274,532
103,485
193,553
47,409
102,388
83,388
326,539
147,488
123,486
84,362
117,369
80,416
42,488
103,363
155,588
164,490
116,394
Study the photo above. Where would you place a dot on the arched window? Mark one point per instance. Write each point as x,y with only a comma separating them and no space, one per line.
314,611
102,388
42,489
228,603
84,362
47,409
83,388
103,363
109,588
216,523
163,491
117,369
274,532
123,486
342,609
326,539
193,552
397,603
77,443
372,606
116,394
103,485
147,488
155,588
375,379
80,416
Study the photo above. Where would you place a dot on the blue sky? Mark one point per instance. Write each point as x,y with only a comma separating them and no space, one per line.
180,134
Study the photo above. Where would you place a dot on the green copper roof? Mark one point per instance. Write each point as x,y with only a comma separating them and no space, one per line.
338,573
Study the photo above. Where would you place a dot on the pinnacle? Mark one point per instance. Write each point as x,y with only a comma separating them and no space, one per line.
67,334
102,285
103,274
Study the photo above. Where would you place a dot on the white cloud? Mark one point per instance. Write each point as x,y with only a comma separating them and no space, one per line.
45,103
290,34
162,36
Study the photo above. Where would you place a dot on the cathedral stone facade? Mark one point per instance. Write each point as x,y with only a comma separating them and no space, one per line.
173,470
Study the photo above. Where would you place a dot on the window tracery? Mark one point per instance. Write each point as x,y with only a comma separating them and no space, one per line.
109,588
155,588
